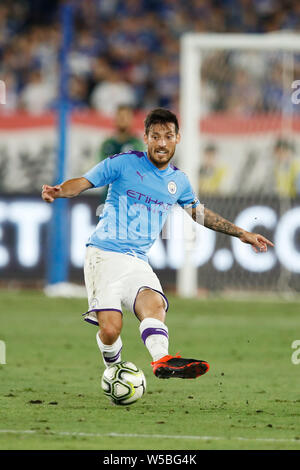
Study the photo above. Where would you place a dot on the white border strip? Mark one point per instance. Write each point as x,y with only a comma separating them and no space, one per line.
148,436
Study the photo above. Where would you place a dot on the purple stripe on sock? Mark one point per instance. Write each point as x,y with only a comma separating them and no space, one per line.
153,331
113,358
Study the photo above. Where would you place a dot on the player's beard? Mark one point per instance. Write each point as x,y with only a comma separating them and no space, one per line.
160,160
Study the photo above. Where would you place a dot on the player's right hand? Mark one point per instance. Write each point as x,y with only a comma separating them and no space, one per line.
49,193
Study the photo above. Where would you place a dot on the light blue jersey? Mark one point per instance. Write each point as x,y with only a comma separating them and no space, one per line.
139,199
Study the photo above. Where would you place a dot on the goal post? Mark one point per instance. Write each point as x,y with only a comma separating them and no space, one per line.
190,64
200,124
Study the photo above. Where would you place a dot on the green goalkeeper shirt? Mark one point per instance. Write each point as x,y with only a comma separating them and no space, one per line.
113,146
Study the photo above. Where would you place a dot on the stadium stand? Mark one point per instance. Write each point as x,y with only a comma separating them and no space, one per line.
132,45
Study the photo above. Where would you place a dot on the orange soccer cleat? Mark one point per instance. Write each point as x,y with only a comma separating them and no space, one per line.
176,366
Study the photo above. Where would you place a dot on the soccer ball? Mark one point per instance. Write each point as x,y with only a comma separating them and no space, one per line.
124,383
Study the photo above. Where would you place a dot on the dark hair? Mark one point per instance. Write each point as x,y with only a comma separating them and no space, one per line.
211,147
160,116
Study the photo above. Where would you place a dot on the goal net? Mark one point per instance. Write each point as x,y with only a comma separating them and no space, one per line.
240,124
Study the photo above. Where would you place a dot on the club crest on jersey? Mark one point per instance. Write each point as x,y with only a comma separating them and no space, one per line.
172,187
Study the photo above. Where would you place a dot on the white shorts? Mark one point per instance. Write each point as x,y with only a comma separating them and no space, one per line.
113,281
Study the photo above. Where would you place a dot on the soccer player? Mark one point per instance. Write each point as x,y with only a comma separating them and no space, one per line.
123,139
143,188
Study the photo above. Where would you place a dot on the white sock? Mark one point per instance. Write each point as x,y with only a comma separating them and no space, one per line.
154,333
111,353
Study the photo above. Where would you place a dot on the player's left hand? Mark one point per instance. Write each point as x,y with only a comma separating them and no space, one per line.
258,242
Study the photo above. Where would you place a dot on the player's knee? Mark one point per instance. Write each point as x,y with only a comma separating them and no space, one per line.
150,304
109,333
155,300
158,303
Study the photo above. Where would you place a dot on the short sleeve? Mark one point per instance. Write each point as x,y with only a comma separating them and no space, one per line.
105,172
188,198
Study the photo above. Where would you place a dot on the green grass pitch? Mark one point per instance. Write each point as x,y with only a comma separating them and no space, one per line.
50,396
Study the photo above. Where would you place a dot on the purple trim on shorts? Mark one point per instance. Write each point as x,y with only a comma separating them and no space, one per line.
112,359
155,290
94,322
153,331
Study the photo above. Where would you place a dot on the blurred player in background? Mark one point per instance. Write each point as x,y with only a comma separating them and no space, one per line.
212,173
286,169
143,188
123,139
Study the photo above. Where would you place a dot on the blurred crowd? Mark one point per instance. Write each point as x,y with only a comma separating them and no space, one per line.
275,170
127,52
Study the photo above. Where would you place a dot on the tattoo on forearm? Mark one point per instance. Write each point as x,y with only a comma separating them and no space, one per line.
217,223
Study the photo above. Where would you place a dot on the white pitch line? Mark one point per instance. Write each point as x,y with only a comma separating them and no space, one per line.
149,436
